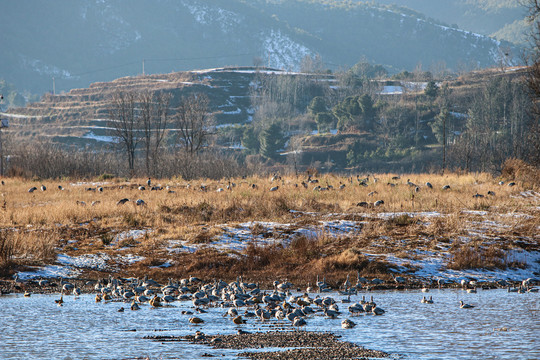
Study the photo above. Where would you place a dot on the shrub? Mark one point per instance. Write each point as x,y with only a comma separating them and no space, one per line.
6,249
519,170
469,256
104,177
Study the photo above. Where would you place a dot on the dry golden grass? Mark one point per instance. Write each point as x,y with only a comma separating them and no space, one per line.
475,256
44,220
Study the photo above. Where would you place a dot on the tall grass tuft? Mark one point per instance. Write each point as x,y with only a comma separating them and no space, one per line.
473,256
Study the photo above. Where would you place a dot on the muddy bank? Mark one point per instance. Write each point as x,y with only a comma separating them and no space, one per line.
87,285
296,345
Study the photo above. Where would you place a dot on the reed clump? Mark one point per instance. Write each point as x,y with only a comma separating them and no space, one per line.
474,256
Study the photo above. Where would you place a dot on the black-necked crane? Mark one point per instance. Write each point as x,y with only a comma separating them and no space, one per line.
122,201
378,203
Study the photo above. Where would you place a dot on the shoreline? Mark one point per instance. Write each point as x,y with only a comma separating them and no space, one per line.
86,286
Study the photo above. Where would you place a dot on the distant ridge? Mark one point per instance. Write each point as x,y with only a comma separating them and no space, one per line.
78,43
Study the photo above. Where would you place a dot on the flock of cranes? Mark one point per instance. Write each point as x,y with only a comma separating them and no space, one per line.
310,180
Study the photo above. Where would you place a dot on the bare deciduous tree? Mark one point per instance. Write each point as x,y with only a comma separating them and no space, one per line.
533,79
194,122
154,112
125,124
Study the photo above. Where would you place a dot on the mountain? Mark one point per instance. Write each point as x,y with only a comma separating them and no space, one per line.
502,19
78,42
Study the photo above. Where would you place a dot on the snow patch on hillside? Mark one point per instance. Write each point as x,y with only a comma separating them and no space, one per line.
44,69
282,51
117,33
206,15
101,138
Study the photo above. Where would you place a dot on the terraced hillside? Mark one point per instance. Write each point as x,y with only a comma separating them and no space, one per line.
80,117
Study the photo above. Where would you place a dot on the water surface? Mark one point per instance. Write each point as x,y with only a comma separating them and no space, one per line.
36,328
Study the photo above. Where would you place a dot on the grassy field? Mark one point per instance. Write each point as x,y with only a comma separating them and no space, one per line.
294,233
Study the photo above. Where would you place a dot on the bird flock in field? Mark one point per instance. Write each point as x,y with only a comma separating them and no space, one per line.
280,183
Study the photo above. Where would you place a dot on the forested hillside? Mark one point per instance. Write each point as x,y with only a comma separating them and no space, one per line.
359,120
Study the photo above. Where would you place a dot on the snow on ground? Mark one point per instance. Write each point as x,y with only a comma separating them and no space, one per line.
50,271
131,234
86,261
391,90
428,264
19,116
86,183
102,138
238,237
235,238
73,266
432,265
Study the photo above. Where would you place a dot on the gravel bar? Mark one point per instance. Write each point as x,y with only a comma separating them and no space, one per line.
298,344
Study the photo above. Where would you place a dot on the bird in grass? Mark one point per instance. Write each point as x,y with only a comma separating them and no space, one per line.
122,201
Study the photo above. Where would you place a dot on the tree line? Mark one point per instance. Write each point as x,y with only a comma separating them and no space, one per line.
144,122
